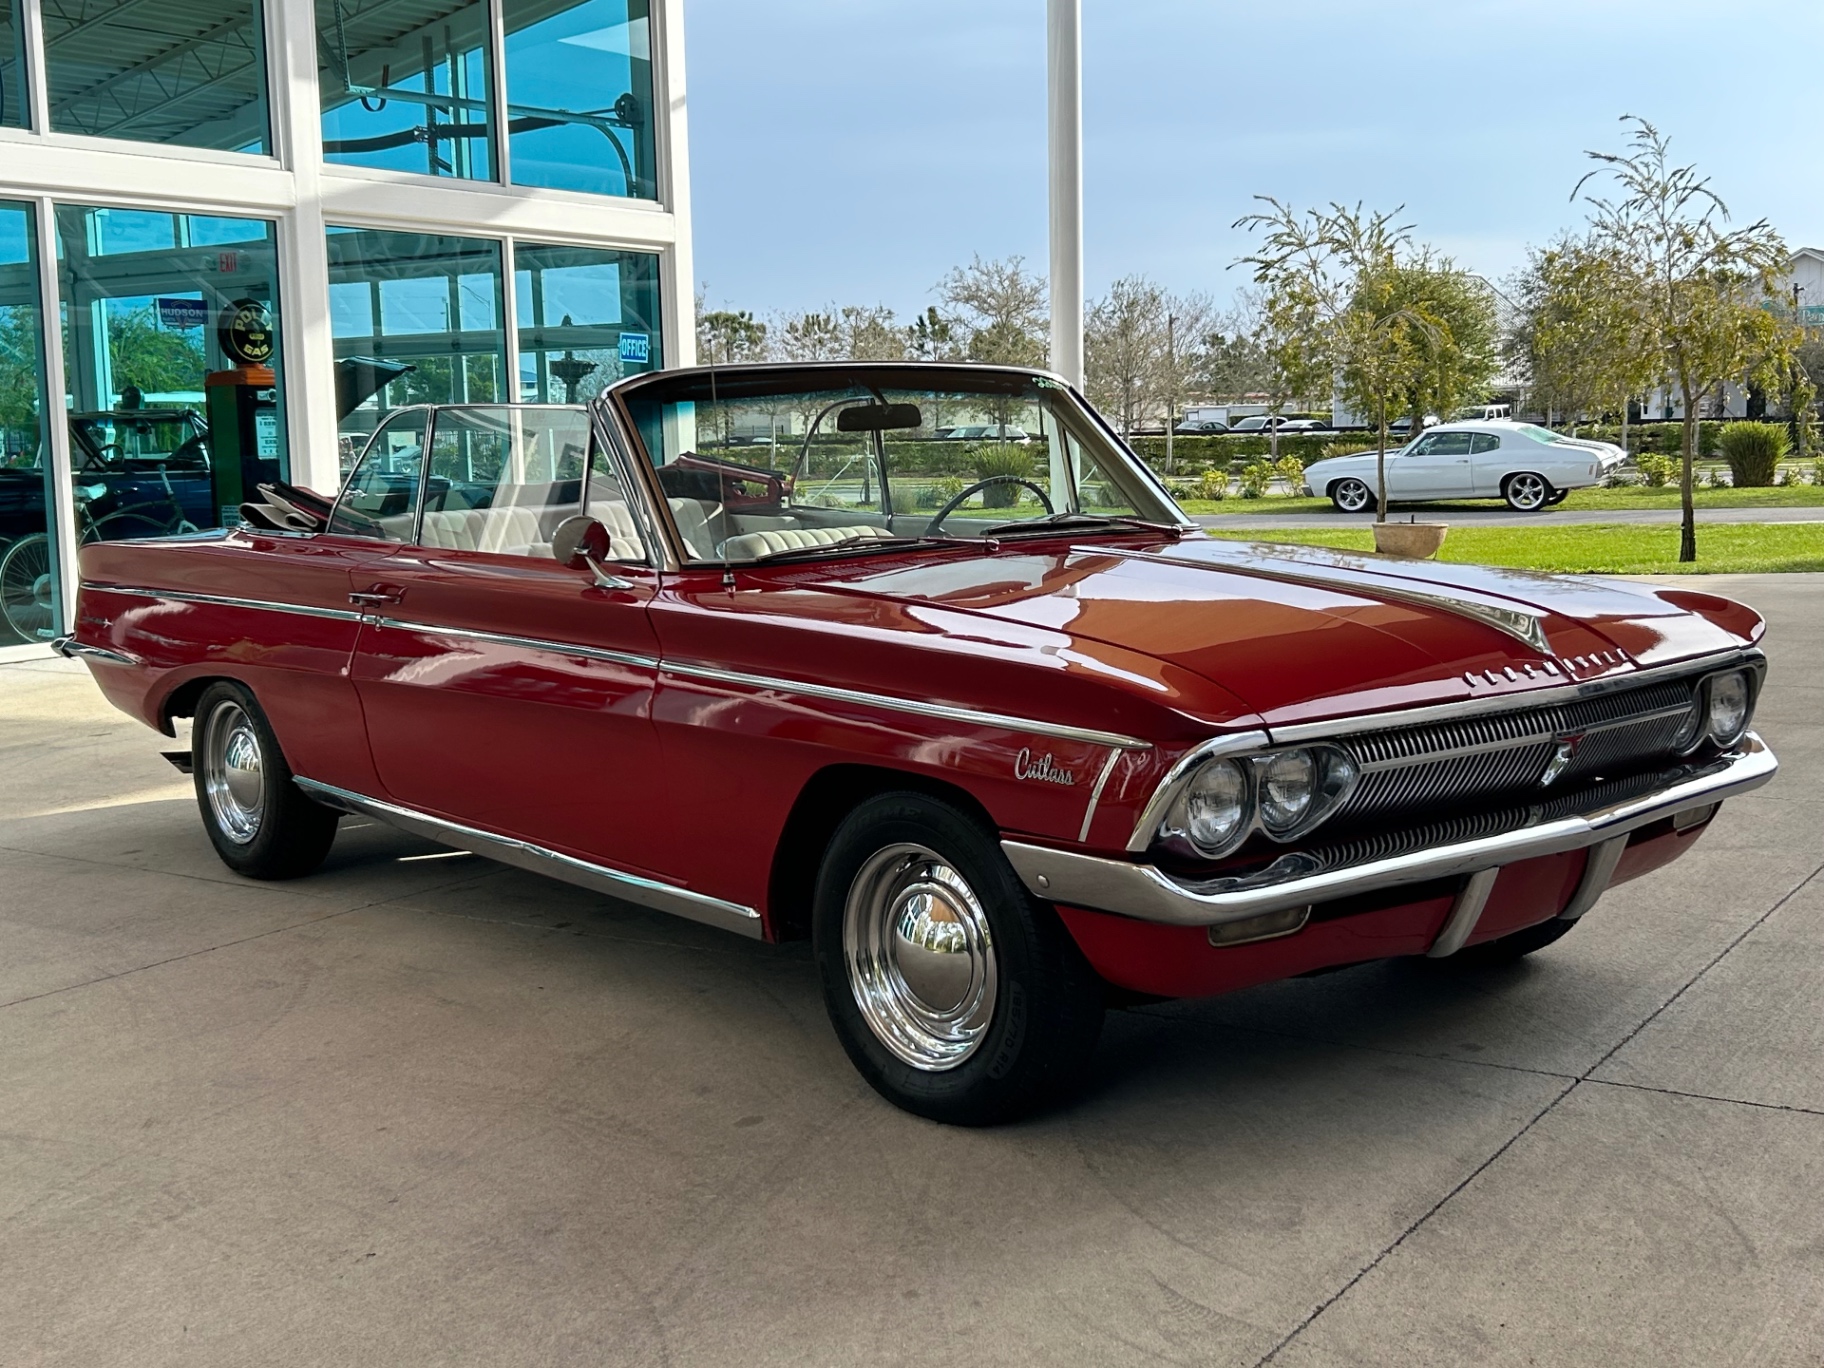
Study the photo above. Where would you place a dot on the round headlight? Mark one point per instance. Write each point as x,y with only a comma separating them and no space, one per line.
1728,717
1288,784
1216,806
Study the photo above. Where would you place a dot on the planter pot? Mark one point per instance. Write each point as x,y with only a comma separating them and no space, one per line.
1414,540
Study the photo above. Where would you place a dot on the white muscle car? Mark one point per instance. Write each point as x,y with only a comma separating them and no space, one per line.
1529,466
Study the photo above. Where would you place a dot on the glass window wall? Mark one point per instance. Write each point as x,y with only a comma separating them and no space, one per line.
13,111
587,317
579,92
191,73
416,319
172,368
406,86
30,594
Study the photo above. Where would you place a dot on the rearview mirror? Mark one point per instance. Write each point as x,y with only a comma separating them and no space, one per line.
879,418
582,543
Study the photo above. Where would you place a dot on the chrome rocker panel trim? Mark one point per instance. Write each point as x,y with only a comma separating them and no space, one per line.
680,902
1144,892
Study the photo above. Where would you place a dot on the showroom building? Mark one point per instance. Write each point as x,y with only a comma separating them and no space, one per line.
234,233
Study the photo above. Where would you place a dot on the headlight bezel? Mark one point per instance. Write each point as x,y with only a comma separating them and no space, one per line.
1334,775
1698,732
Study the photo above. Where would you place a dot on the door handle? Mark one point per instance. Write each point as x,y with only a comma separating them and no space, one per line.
372,598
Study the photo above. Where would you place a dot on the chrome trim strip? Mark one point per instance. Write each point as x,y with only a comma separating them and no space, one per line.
1154,811
680,902
968,716
1531,698
1095,794
1597,871
1143,891
525,643
1523,623
224,601
1466,911
70,649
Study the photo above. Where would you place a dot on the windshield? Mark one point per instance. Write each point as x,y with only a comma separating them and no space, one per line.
758,464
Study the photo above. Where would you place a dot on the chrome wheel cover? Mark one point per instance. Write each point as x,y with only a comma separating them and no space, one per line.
1527,492
233,778
920,957
1352,496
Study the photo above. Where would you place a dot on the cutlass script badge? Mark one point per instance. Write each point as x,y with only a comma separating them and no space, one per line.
1041,769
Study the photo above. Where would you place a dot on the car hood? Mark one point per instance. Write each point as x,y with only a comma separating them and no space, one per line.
1300,633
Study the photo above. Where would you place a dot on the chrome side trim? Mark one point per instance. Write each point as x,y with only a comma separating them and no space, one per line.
525,643
224,601
1531,698
1154,811
1597,872
968,716
1522,623
71,649
1095,794
1143,891
680,902
1466,911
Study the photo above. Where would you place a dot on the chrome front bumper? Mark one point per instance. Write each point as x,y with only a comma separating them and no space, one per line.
1144,892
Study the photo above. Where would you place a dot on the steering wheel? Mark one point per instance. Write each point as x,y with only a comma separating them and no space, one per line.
956,503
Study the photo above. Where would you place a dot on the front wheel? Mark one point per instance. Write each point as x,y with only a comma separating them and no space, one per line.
1526,492
1351,496
260,822
957,995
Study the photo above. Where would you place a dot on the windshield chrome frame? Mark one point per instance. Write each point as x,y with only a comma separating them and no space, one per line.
1077,417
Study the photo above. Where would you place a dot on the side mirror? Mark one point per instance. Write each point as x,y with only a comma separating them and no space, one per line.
582,543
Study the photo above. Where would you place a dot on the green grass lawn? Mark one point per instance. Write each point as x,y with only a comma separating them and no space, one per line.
1599,548
1584,500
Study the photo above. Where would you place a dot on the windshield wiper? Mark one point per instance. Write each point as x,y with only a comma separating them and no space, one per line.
1089,522
848,548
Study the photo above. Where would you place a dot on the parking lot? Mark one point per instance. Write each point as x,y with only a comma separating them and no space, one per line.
424,1109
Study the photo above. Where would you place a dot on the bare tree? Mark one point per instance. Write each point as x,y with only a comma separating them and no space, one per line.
998,310
1124,349
871,333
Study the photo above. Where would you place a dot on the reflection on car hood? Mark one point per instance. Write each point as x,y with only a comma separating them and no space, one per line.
1303,633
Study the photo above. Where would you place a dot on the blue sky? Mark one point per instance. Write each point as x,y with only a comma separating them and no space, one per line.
853,150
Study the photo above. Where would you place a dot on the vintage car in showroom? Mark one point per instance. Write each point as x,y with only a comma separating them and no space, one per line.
1006,746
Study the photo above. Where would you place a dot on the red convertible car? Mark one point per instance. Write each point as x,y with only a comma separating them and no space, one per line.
997,728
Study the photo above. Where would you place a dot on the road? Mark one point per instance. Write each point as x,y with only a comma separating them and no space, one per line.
1467,515
424,1109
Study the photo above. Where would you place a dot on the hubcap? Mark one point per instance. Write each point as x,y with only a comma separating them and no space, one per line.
232,777
1527,491
920,957
1353,496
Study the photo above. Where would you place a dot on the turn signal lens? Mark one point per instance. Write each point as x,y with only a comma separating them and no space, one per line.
1216,806
1728,708
1288,784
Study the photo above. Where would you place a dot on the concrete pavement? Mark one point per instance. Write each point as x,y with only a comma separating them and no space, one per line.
422,1109
1470,515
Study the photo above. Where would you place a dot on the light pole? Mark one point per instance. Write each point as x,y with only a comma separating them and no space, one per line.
1064,88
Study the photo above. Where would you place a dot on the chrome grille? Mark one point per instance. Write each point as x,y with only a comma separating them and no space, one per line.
1415,768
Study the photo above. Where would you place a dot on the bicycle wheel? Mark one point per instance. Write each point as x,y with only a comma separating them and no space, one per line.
26,595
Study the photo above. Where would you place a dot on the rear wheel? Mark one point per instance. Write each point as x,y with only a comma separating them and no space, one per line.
1526,492
260,822
1351,495
956,994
